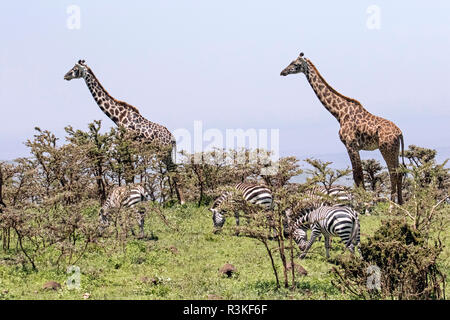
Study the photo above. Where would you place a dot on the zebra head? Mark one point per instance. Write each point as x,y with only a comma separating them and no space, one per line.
145,194
300,237
218,217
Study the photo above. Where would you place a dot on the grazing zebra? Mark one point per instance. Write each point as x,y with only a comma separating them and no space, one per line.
253,193
319,196
125,197
339,221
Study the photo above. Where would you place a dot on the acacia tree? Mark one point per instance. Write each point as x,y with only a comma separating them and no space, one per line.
372,173
95,146
286,168
424,157
322,173
205,172
46,158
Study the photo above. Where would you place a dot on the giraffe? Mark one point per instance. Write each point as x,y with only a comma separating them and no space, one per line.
359,129
127,116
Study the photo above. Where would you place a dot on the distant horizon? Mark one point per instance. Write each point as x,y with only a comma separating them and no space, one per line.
339,159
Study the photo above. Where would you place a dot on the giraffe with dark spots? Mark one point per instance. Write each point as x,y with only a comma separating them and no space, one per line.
359,129
127,116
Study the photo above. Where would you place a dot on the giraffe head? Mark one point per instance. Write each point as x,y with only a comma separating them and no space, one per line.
296,66
78,71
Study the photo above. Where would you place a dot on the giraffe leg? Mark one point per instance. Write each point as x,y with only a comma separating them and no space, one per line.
178,191
358,175
172,167
390,155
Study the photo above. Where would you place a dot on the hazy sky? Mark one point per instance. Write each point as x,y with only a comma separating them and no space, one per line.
219,62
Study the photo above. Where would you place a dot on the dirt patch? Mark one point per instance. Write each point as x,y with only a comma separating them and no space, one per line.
298,269
51,285
228,270
173,249
148,280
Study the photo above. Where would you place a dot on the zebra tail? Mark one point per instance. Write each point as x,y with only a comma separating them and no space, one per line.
355,232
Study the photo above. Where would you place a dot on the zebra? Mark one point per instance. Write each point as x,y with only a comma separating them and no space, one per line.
127,196
337,220
319,196
316,197
253,193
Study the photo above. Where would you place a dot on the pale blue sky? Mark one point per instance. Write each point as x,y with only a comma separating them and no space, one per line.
219,62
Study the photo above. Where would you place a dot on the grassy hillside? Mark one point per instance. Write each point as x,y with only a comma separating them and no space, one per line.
185,264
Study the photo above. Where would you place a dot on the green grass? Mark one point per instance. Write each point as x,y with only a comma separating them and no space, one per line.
190,273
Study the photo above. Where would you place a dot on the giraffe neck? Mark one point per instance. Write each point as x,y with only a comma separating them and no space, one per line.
119,112
337,104
126,116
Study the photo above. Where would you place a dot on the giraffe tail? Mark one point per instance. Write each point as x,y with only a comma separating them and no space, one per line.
354,238
403,149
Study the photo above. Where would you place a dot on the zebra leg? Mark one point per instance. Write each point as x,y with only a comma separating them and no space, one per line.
236,217
350,246
327,246
141,220
314,235
135,214
103,222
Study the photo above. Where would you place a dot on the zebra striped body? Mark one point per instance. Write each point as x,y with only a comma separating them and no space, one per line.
253,193
319,196
316,197
341,221
127,196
